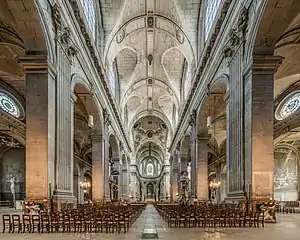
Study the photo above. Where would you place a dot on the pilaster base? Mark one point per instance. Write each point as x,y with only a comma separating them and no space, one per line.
63,201
98,203
238,198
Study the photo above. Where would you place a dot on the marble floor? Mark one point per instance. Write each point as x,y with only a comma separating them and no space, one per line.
287,228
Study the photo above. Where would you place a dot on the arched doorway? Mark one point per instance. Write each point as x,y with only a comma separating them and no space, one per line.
12,165
88,149
286,179
150,191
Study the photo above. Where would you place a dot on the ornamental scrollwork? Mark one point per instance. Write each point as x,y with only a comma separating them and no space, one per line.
106,117
56,17
193,118
237,35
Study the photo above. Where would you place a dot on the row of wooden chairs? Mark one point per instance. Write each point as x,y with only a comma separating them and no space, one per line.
77,220
287,207
209,217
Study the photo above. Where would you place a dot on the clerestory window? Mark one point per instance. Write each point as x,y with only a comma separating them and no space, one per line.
211,11
90,15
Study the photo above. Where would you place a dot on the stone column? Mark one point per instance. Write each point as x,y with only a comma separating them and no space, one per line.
124,182
40,126
202,165
193,168
235,128
80,190
218,179
259,112
175,179
144,191
167,184
64,130
106,169
98,168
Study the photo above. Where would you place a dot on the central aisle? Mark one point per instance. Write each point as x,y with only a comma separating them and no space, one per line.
149,219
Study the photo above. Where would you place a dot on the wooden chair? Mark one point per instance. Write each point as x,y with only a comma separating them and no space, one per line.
16,223
45,222
26,223
36,222
7,224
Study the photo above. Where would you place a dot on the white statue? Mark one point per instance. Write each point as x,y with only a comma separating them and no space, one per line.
12,184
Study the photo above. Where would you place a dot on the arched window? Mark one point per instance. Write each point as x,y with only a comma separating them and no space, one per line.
113,78
90,14
150,169
211,11
288,106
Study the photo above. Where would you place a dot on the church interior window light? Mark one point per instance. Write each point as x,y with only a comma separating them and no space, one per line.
89,12
210,15
288,106
10,105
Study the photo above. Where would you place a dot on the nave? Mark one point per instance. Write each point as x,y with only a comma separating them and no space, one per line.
287,227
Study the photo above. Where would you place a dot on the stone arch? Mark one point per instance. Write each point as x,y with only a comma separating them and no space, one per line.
185,152
286,180
33,15
270,24
81,87
113,147
218,86
76,79
155,113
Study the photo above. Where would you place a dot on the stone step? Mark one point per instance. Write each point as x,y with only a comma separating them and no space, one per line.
150,233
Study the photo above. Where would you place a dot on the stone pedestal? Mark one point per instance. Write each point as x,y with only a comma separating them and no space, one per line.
98,168
40,126
202,168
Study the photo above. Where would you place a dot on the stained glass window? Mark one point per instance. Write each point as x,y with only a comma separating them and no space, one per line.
290,105
89,12
211,11
8,104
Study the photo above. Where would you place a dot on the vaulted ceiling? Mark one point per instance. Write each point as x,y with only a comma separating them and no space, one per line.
154,46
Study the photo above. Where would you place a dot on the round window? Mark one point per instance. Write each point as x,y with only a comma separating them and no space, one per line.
288,106
10,105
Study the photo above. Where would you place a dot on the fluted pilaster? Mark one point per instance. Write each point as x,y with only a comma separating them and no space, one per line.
65,125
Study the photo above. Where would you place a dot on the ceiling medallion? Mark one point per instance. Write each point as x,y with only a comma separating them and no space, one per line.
150,22
180,36
120,36
150,134
150,59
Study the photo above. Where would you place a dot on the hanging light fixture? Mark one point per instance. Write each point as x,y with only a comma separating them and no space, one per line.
85,185
91,121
